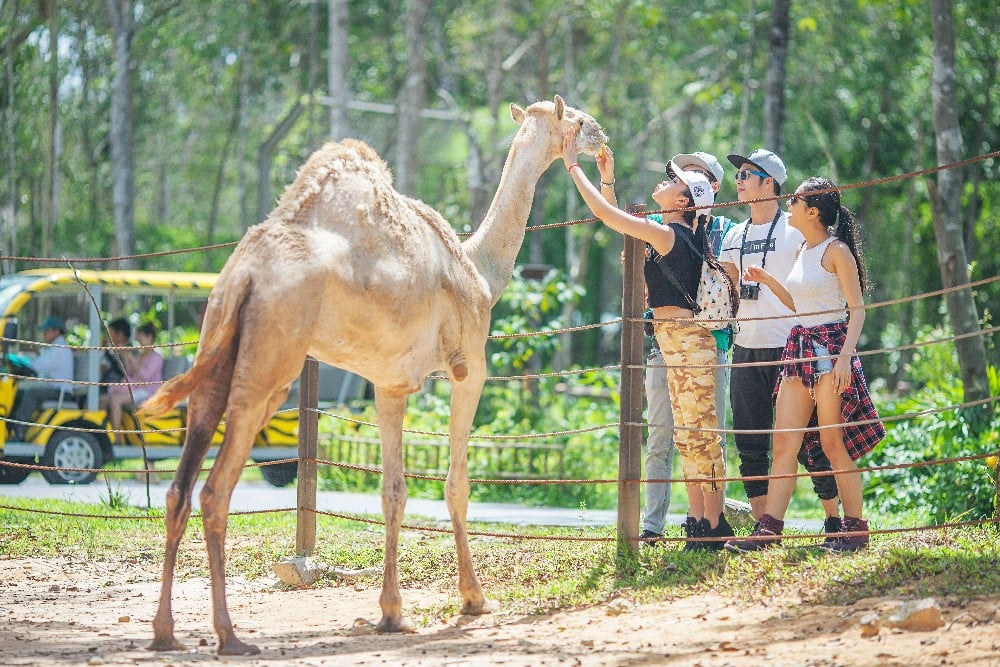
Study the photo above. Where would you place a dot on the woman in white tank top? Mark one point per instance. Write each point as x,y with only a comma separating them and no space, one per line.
828,275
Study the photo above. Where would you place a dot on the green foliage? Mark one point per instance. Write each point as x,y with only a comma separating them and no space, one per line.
530,306
963,490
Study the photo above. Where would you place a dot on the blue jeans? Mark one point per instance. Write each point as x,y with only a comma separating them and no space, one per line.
660,440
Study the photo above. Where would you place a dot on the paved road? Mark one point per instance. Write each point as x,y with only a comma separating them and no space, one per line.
262,496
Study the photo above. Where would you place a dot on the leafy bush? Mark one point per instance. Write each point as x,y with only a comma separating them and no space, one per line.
940,492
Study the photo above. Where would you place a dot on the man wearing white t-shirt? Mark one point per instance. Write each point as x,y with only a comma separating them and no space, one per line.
767,240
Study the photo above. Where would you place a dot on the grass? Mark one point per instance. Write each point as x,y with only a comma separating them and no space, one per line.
550,574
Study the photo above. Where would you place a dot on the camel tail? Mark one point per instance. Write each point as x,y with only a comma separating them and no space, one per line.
218,331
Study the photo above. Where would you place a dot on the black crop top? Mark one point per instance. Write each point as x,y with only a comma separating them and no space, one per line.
685,265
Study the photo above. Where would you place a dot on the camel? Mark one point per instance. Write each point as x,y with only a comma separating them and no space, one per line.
349,271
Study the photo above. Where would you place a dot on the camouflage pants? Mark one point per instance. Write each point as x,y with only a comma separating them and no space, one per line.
692,399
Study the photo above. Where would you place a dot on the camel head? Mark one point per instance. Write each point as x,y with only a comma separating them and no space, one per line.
561,117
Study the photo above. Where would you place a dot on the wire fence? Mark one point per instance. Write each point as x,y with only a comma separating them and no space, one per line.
107,431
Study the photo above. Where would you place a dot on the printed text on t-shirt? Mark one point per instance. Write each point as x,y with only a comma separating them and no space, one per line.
758,246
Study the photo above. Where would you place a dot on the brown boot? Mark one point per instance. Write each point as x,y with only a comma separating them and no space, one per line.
767,533
850,543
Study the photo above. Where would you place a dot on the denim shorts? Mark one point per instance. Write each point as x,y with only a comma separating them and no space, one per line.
822,365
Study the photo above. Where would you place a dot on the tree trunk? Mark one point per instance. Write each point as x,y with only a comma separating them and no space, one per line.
50,198
121,137
946,203
242,186
220,173
741,140
339,61
312,73
411,98
8,197
577,238
774,82
264,157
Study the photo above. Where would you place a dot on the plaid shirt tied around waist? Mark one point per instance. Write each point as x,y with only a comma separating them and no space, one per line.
857,404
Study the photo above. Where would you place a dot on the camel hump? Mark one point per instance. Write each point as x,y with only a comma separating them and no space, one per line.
329,162
219,328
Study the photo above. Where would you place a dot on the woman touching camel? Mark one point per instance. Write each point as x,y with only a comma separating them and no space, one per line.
688,349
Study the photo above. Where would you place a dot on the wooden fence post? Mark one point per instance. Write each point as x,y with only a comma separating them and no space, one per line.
630,426
305,519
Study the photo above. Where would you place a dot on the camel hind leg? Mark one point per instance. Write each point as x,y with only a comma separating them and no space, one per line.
260,377
204,415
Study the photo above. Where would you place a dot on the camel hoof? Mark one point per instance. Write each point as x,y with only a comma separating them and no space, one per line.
478,608
166,644
389,625
236,647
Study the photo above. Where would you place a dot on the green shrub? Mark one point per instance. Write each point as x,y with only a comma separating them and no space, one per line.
938,492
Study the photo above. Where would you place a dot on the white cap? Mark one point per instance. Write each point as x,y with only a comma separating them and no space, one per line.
698,184
764,160
706,161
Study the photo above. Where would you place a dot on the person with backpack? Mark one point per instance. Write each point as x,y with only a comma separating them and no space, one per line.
677,247
659,416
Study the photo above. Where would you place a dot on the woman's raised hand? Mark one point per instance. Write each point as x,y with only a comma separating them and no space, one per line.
569,151
606,164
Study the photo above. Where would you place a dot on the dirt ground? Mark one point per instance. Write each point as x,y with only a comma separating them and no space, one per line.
66,612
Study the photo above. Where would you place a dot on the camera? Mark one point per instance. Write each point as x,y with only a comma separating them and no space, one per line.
647,326
749,292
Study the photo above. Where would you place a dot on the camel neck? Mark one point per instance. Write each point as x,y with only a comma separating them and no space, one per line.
493,248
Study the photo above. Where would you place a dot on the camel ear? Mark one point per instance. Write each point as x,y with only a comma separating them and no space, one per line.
517,113
560,107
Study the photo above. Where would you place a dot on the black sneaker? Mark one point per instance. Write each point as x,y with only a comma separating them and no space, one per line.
723,529
651,536
831,526
695,530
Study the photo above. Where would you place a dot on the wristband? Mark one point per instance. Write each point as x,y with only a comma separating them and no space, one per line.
608,185
570,168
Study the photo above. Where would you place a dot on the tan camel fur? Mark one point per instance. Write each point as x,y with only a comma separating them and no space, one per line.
357,275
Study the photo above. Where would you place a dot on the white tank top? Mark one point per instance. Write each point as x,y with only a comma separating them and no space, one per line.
813,288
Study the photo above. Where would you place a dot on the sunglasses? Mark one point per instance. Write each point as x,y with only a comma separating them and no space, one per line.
744,174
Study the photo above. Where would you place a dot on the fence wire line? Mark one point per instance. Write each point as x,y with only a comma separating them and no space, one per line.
230,244
594,325
374,470
862,353
582,371
492,534
528,436
924,295
616,367
535,436
867,306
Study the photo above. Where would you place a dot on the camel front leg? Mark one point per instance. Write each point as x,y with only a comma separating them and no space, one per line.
390,409
464,403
